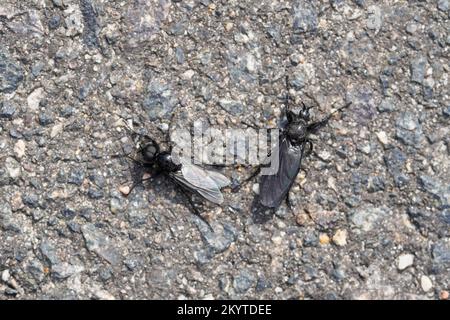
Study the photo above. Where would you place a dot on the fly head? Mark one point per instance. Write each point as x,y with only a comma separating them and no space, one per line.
149,151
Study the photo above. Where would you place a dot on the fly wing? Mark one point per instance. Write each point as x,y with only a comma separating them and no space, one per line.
199,180
274,188
219,179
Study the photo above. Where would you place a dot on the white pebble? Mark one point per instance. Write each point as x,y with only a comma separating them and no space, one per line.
124,189
34,98
340,237
19,148
426,283
324,155
382,137
5,276
405,260
56,130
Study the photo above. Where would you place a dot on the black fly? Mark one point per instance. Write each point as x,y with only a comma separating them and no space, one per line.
188,177
293,145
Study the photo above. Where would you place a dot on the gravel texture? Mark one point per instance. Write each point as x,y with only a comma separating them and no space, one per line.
371,216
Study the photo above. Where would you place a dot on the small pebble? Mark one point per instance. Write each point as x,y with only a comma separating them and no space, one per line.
411,28
383,138
45,119
426,283
302,219
104,295
16,202
125,190
340,238
54,22
277,240
7,110
324,239
19,148
324,155
56,130
405,260
444,295
386,106
228,26
6,276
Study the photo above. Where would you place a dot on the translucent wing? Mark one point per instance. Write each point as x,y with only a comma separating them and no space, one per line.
206,183
219,178
274,188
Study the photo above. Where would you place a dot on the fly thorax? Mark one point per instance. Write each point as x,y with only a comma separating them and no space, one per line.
166,163
297,131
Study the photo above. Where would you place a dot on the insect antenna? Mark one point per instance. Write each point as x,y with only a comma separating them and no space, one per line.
288,96
168,139
314,127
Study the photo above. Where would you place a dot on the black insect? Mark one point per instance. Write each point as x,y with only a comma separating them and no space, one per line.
293,145
188,177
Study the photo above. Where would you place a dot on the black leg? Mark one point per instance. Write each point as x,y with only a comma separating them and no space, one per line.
288,97
246,180
194,207
169,130
308,148
134,133
304,107
127,155
251,125
138,183
134,160
314,127
289,202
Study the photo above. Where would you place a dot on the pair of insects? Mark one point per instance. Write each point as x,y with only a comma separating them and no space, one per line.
293,145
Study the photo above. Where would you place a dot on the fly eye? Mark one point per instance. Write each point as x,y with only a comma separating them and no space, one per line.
305,114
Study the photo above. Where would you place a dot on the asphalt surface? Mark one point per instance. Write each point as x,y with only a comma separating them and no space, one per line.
371,216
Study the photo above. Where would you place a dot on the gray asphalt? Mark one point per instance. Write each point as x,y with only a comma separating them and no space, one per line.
371,216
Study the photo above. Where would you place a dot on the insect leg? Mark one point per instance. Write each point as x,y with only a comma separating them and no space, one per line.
246,180
314,127
289,202
288,97
141,181
251,125
127,155
194,207
169,130
255,127
124,155
309,149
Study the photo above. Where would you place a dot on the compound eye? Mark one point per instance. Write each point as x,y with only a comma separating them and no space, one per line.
305,114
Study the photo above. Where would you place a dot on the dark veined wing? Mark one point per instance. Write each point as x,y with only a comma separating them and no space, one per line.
274,188
204,182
